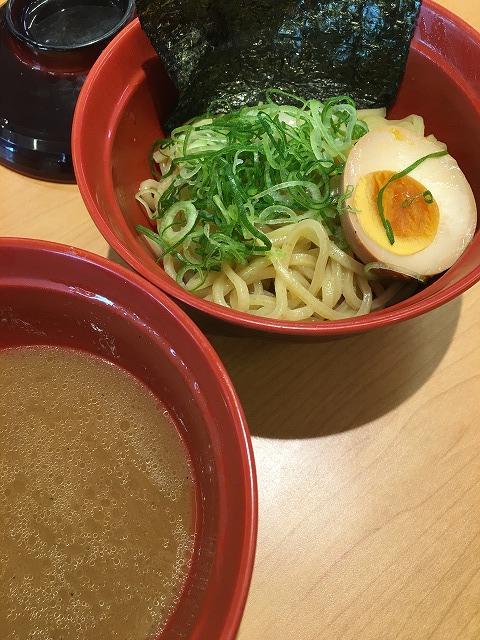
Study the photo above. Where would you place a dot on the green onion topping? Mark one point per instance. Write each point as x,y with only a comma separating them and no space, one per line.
228,179
397,176
426,195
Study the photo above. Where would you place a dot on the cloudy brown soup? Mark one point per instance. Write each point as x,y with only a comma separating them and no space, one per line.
96,500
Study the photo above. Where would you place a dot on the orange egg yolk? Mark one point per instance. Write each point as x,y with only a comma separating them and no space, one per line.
413,217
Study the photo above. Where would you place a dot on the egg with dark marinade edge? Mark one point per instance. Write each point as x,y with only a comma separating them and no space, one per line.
431,209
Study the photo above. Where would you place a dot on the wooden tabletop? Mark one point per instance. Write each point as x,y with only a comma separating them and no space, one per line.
368,458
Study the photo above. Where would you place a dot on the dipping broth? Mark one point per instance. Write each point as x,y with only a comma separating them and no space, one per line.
96,500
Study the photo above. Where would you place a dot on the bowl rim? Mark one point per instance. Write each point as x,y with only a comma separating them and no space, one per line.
243,578
356,324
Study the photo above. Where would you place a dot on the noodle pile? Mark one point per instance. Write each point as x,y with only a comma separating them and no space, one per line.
304,276
299,268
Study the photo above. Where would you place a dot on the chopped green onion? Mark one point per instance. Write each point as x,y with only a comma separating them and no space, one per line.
426,195
234,176
397,176
169,221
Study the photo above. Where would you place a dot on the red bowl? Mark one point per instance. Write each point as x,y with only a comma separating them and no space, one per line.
127,94
57,295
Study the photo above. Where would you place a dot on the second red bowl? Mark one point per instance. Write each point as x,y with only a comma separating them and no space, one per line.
56,295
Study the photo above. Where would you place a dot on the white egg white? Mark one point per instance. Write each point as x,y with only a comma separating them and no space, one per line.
385,149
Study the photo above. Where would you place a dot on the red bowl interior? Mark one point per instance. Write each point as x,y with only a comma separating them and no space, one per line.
127,94
56,295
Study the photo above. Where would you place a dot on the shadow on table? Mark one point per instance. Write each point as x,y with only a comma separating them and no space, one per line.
114,257
307,389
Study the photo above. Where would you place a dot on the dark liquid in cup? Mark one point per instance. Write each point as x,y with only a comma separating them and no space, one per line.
64,38
66,24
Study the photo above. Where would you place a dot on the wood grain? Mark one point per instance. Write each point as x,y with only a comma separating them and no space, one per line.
367,451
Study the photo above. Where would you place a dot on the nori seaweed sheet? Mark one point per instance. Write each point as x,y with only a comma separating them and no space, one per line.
222,54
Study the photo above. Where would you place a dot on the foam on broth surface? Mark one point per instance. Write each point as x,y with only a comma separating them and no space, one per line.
96,500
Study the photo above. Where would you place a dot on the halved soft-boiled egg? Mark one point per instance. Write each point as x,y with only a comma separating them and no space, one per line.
431,209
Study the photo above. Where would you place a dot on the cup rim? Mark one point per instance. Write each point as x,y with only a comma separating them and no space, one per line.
33,44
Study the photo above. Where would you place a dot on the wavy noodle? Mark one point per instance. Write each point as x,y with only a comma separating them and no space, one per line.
305,276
